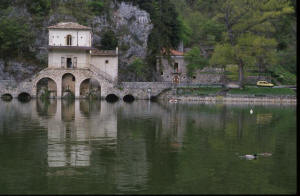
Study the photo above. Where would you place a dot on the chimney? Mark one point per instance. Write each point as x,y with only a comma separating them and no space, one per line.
180,46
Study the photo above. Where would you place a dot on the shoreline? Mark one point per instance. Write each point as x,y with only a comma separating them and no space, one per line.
268,99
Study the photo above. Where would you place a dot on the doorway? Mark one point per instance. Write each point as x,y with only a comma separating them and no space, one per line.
176,79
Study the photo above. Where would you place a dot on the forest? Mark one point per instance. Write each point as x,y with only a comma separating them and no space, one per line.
256,36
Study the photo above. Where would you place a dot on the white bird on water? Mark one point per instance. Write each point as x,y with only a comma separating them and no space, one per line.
249,156
251,111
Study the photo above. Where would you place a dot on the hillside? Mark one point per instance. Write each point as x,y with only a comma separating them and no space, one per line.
141,28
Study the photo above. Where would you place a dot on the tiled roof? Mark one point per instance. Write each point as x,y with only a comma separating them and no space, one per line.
97,52
174,52
68,25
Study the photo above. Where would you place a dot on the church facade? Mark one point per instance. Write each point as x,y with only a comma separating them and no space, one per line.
80,66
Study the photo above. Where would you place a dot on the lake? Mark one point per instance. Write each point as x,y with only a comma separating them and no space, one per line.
95,147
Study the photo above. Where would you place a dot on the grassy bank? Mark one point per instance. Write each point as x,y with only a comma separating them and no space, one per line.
248,90
262,91
198,91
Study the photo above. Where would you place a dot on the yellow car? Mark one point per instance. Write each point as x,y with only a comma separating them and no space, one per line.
264,83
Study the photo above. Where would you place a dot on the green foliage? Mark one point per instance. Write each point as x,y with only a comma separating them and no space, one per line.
248,25
198,91
185,31
38,7
195,61
78,9
197,16
287,59
139,67
96,6
15,37
262,91
282,75
4,4
223,55
231,72
109,40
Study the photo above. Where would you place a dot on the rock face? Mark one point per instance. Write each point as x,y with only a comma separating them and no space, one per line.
16,70
131,25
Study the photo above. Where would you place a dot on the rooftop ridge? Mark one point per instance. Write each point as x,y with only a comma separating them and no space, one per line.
68,25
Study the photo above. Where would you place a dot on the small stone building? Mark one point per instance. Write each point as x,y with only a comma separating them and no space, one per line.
173,69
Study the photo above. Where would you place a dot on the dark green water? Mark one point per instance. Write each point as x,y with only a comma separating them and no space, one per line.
97,147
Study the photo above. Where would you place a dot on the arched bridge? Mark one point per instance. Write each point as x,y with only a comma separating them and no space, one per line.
74,79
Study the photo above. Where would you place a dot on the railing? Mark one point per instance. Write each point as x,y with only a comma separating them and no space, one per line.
101,73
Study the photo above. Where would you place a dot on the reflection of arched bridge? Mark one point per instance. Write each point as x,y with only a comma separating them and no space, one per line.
139,90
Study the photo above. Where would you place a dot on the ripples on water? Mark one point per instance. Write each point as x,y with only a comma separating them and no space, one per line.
96,147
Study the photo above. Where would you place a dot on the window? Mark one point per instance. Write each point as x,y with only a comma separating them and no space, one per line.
69,62
69,40
194,77
175,67
161,73
106,61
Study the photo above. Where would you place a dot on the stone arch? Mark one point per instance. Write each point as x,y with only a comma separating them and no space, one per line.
24,97
6,97
68,85
128,98
90,87
111,98
46,87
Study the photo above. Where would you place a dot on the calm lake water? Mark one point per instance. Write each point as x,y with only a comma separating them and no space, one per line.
98,147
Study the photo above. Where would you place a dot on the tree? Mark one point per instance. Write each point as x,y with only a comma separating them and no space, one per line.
109,40
248,21
139,67
39,7
195,61
96,6
15,37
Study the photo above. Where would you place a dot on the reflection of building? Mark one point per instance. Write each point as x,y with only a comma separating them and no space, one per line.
72,125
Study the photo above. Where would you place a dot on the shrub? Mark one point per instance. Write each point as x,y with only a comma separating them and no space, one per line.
109,40
195,61
15,37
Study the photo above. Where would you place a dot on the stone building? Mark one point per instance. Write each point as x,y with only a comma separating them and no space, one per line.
174,69
74,66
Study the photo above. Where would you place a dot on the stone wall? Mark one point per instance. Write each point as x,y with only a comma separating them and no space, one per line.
207,75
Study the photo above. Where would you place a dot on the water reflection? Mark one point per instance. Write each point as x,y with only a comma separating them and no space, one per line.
144,147
72,125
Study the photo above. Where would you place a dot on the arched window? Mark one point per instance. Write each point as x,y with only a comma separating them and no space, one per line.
69,40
